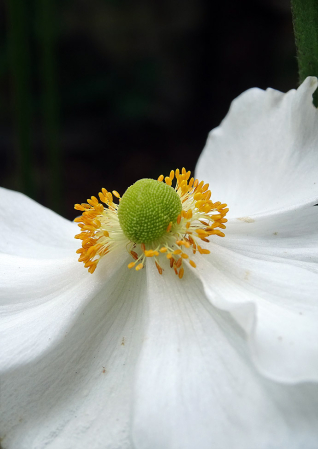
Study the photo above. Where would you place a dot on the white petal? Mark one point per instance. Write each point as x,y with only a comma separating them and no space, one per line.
263,157
31,230
291,235
42,300
79,394
196,389
275,301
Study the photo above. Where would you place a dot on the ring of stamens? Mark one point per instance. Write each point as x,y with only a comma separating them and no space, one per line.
200,219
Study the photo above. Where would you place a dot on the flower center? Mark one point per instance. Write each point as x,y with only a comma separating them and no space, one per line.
146,209
152,220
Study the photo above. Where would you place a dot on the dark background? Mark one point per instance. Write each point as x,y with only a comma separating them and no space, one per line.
128,88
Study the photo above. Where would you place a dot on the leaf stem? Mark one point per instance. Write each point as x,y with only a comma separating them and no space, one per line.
305,21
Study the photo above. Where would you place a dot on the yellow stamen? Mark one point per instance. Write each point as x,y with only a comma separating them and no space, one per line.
203,251
200,219
168,181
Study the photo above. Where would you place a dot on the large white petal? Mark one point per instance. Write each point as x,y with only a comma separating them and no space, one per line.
196,387
291,234
79,394
263,156
41,301
31,230
274,299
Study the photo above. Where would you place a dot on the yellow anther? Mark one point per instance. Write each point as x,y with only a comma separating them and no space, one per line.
205,187
102,198
149,253
92,268
202,233
79,207
168,181
89,228
206,208
219,233
200,185
199,219
203,251
200,203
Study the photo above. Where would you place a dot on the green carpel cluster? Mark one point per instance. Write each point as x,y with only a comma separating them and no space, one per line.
146,209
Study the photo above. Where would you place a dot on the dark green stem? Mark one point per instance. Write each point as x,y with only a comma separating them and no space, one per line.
19,54
305,20
50,105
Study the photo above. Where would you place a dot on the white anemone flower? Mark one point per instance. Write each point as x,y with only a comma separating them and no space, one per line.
226,357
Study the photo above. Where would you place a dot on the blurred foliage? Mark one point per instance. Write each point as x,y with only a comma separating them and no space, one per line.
126,89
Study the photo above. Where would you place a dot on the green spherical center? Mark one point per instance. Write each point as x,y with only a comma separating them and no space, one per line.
146,209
